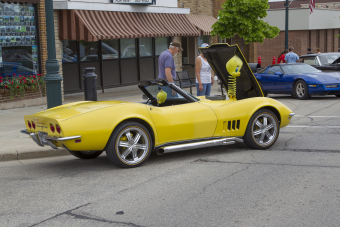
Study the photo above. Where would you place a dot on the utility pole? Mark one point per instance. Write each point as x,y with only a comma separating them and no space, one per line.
286,27
52,78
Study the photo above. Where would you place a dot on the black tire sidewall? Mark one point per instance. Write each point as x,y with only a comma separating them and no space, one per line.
306,95
248,138
111,149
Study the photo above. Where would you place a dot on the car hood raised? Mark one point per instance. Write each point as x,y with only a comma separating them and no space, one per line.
218,55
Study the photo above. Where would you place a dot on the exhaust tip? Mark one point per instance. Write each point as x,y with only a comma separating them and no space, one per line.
160,151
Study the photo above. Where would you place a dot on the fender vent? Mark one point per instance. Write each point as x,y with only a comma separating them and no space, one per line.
234,125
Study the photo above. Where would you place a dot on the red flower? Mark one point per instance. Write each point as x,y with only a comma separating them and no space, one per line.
17,86
0,81
13,74
33,77
25,82
20,81
32,81
0,77
36,83
6,86
20,75
12,82
24,78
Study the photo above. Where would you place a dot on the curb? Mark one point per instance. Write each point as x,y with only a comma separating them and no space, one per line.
33,154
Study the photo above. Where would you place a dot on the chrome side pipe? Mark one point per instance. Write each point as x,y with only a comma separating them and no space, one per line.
189,146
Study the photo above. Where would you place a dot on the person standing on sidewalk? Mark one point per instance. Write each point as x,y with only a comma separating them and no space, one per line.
281,57
204,76
291,57
166,63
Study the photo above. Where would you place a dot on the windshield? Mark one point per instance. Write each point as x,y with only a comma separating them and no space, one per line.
328,58
299,68
170,93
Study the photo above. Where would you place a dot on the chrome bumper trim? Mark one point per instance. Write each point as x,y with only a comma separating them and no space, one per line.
42,139
291,114
25,132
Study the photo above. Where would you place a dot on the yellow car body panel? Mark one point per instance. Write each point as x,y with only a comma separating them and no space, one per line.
94,121
183,122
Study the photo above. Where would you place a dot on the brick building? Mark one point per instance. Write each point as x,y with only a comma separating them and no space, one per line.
316,30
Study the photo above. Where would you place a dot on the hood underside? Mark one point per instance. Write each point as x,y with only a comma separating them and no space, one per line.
218,55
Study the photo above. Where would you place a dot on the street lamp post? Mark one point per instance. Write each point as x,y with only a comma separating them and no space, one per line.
52,78
286,27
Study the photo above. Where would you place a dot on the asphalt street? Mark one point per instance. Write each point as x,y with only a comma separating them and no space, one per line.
294,183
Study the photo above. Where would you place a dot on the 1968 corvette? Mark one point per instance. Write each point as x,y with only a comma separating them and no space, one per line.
170,120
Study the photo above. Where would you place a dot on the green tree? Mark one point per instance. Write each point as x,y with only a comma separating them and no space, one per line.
244,18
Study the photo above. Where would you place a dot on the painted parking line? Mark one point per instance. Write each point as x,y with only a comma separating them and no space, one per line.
312,126
314,116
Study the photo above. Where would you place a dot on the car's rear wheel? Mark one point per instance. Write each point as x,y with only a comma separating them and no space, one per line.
301,90
265,94
86,154
130,145
262,130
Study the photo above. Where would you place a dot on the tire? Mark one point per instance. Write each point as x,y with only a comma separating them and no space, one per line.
301,90
258,128
86,154
122,150
265,94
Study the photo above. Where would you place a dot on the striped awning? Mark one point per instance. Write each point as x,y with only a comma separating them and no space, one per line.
202,22
90,25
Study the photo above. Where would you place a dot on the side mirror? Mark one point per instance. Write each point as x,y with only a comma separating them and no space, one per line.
278,73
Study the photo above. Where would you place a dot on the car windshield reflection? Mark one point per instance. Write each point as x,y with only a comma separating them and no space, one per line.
327,59
299,68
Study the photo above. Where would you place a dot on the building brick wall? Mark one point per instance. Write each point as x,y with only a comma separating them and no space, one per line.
198,7
58,49
5,97
217,7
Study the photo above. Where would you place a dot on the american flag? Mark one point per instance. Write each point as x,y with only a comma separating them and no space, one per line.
311,6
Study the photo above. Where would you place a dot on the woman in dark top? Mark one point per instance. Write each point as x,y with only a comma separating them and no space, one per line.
282,57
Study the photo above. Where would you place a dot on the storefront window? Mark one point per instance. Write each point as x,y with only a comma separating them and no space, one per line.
88,51
161,44
145,47
69,51
128,48
18,49
203,39
110,49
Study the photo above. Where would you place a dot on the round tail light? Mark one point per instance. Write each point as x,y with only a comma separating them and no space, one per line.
29,124
58,128
33,124
52,128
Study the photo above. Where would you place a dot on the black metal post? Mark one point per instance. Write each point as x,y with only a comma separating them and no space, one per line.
90,84
286,27
53,78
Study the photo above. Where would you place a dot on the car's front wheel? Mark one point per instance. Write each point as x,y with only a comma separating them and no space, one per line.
301,90
130,145
86,154
262,130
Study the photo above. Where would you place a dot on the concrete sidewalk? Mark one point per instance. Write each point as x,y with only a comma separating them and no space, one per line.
17,146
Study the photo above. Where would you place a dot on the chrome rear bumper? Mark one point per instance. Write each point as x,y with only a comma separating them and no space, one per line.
42,139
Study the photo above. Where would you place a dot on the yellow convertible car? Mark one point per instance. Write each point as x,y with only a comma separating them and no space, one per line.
170,120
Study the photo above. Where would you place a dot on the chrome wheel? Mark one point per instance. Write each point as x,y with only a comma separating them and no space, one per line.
132,145
300,90
264,129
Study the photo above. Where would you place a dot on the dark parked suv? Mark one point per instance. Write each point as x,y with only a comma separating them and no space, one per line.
326,62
